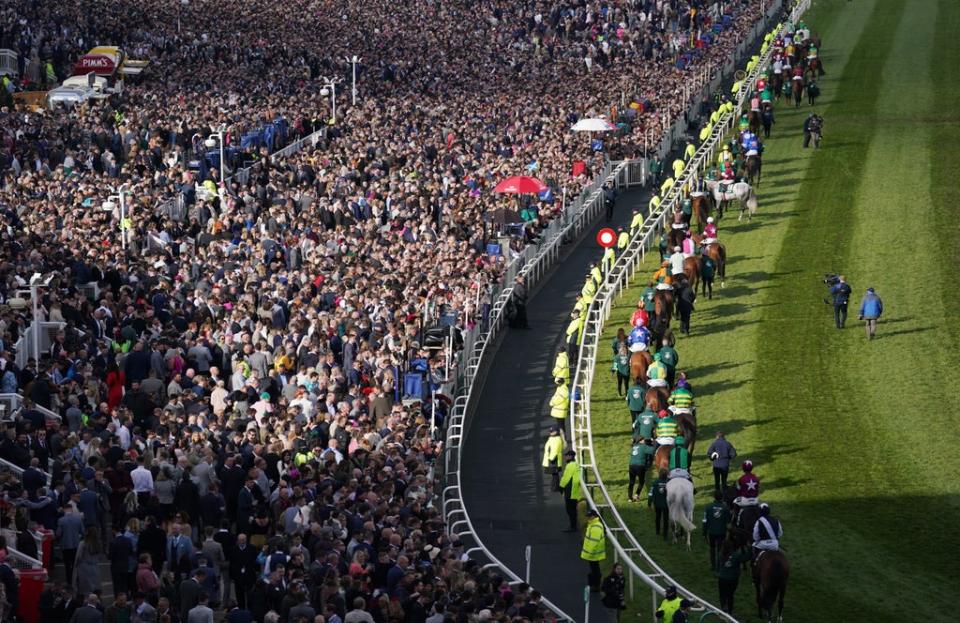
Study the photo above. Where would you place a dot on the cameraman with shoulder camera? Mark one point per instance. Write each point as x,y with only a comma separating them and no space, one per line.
841,297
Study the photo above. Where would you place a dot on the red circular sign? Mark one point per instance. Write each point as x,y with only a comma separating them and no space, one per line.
606,237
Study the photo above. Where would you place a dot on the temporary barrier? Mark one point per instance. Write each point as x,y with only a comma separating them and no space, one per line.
626,546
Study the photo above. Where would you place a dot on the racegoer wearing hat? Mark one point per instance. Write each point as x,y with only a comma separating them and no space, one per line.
670,604
748,485
767,532
657,372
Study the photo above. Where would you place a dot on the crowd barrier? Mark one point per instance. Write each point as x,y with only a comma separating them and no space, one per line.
626,547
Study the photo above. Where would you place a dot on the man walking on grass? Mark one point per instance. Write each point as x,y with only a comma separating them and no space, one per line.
871,307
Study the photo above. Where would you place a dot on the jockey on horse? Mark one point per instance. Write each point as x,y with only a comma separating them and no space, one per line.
657,373
709,233
767,532
639,338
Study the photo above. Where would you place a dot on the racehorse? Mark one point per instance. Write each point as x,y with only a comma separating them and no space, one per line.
691,269
701,210
771,570
639,362
680,505
741,191
753,167
777,83
687,422
718,253
675,238
754,119
797,89
656,399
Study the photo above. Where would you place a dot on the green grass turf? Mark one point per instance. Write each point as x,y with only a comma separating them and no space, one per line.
855,441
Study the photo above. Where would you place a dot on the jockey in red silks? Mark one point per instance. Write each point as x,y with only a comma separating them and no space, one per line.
797,73
640,318
709,232
748,486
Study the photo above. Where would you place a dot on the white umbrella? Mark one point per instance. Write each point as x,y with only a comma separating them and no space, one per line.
593,125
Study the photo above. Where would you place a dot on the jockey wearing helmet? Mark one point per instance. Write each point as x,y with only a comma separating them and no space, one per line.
709,232
667,429
657,373
640,317
679,463
689,246
767,532
748,486
681,400
639,339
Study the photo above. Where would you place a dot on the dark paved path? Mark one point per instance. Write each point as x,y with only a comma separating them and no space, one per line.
504,488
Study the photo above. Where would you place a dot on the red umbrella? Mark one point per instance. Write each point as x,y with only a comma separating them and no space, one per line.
520,185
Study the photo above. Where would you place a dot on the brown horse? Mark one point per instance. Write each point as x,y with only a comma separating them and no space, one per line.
701,210
639,362
753,168
771,571
656,399
776,84
675,238
661,458
662,312
691,270
718,253
797,90
754,120
688,428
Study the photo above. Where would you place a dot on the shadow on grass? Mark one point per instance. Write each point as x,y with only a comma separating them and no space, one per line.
707,432
881,336
708,389
698,372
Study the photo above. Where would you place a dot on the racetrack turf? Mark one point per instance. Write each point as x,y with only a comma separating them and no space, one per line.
855,441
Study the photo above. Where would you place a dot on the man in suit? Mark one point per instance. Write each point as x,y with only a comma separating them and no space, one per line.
243,568
153,541
120,611
201,613
143,612
33,477
120,553
88,613
69,532
245,504
237,615
190,591
231,477
179,553
89,505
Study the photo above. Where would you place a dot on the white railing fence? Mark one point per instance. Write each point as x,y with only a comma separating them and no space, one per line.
533,264
626,547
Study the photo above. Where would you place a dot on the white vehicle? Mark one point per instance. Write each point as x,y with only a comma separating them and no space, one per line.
68,97
99,84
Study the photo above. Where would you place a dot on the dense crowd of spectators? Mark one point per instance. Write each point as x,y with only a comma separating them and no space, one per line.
241,399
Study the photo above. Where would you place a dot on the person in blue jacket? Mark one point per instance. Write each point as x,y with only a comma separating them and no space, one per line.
871,307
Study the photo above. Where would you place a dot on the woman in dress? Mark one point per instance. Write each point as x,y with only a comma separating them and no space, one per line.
86,571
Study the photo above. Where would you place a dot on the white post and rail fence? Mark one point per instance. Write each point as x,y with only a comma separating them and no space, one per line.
627,549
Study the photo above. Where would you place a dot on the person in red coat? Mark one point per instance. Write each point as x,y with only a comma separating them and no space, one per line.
116,379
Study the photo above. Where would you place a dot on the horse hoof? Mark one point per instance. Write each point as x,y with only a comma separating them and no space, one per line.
722,284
